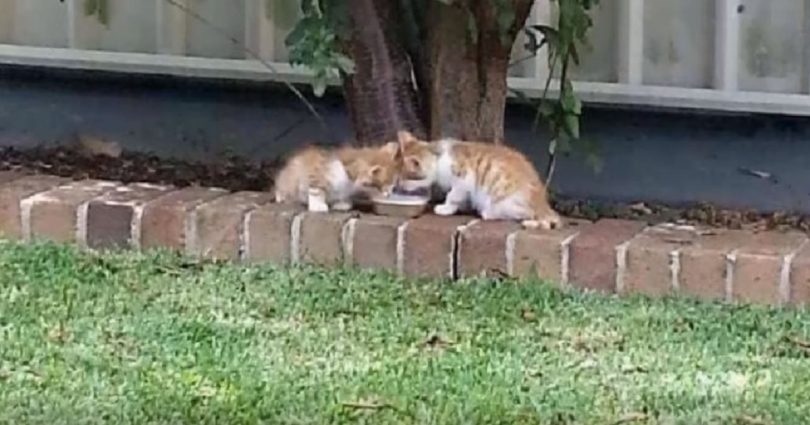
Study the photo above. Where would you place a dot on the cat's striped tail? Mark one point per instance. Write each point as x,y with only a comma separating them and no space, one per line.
544,217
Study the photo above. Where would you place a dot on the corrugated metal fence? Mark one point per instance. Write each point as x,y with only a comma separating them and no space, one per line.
732,55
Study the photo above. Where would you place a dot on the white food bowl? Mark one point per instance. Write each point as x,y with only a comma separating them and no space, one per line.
400,205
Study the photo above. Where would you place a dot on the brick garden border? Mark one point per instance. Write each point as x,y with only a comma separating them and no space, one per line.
610,256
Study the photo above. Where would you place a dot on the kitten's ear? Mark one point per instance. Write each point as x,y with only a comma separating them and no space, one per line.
391,149
375,170
405,137
435,148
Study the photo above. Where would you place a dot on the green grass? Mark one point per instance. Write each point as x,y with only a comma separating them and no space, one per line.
131,339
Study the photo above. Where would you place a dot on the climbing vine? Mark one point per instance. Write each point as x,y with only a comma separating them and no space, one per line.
314,42
563,113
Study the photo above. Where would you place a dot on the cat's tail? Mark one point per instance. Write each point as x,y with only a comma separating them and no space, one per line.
543,216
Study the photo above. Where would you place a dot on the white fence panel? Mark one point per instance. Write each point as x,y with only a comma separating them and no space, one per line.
226,15
127,26
771,45
734,55
678,43
34,22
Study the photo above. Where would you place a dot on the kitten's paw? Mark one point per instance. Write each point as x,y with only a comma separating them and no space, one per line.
342,206
546,223
487,215
320,208
445,209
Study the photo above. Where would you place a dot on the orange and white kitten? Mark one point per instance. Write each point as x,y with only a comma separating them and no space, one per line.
321,178
496,181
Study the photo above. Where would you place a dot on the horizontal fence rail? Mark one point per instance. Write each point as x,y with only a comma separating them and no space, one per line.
727,55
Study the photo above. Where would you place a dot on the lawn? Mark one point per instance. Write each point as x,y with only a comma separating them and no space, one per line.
138,339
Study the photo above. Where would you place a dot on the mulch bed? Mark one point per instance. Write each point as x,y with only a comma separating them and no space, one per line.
235,173
232,173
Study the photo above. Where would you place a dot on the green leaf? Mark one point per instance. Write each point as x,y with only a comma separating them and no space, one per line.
594,162
547,109
297,34
570,103
319,86
336,14
309,7
345,63
552,147
571,122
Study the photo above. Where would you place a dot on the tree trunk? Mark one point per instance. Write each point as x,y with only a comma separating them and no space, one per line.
380,94
468,56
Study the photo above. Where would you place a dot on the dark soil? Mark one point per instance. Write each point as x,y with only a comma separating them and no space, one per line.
699,214
235,174
232,173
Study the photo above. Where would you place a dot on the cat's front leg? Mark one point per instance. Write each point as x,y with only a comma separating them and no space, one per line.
316,200
455,199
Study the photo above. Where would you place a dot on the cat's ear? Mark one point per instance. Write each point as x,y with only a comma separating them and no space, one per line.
391,149
406,137
435,148
375,170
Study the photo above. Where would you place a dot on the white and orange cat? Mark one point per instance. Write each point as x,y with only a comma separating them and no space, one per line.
323,179
498,182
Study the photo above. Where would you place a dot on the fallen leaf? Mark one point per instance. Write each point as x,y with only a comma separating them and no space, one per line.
755,173
750,420
95,146
641,208
679,241
367,404
630,417
59,334
495,273
634,369
800,344
436,341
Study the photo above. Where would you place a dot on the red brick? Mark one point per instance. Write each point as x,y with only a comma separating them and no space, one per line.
220,224
593,253
15,190
482,248
268,233
375,242
429,245
703,270
651,259
113,220
800,278
53,215
758,268
321,238
166,222
541,253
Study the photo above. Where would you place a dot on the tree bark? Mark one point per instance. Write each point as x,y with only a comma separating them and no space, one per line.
381,96
468,55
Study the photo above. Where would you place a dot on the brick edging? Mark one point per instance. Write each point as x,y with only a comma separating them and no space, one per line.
610,256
